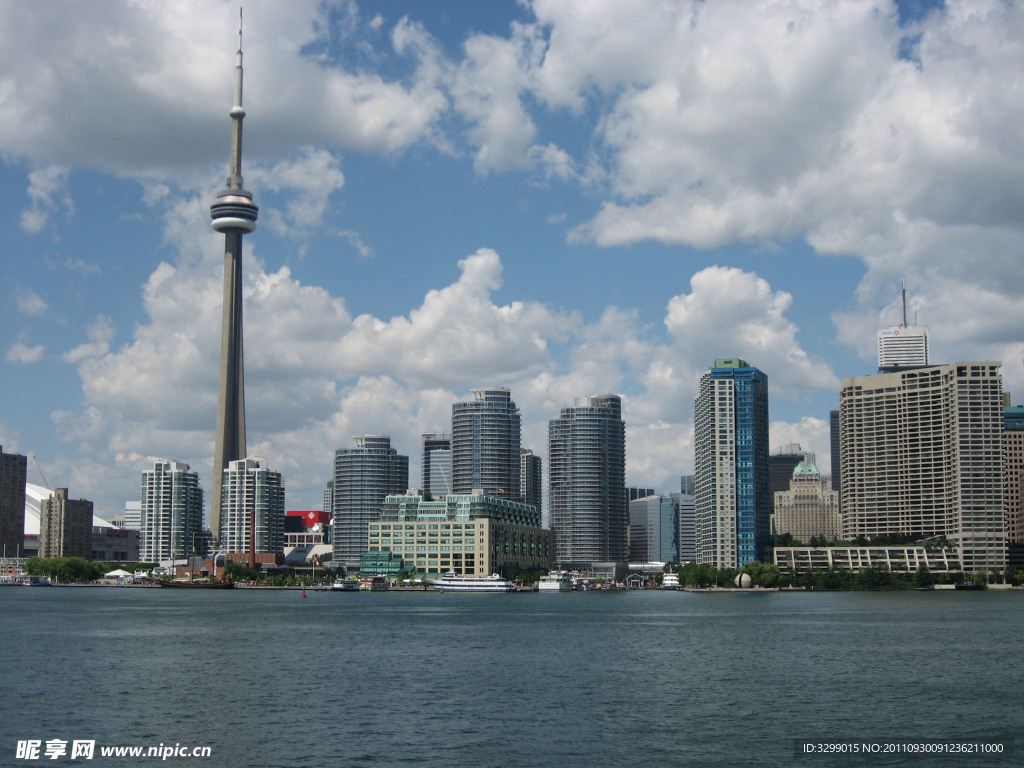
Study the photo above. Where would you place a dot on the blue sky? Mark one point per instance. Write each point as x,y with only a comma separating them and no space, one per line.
566,198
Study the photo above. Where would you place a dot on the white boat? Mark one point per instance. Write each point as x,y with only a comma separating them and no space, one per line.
451,582
556,581
345,585
670,581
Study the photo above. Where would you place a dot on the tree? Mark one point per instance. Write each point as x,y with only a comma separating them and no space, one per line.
923,576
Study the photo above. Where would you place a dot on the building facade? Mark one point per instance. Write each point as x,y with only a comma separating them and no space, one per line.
1013,481
171,512
687,546
13,476
363,477
470,534
252,503
436,466
902,347
531,478
65,526
587,502
731,451
920,455
809,508
654,529
486,443
905,559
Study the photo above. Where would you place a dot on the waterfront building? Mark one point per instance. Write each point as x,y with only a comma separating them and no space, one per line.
253,503
13,476
1013,482
920,456
115,545
363,477
234,214
908,559
731,452
587,501
531,484
65,526
436,466
486,443
687,546
654,529
470,534
808,508
171,511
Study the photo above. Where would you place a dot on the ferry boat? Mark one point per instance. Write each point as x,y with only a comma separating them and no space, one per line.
374,584
670,581
345,585
556,581
450,582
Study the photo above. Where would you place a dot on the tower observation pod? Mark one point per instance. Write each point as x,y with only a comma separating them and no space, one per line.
234,214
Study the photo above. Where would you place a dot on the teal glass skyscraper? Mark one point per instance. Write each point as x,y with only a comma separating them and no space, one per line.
733,507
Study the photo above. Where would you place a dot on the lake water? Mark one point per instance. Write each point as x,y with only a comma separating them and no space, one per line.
623,679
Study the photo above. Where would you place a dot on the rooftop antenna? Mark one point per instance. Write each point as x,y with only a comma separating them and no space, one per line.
903,285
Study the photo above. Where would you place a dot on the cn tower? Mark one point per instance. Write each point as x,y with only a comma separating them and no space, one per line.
234,214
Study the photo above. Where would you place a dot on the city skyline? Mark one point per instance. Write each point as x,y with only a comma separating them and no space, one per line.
563,227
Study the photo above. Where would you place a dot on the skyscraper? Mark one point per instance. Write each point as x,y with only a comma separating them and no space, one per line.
902,346
920,454
13,475
363,477
436,465
65,526
485,444
1013,482
234,214
731,451
172,512
252,500
530,477
654,529
587,501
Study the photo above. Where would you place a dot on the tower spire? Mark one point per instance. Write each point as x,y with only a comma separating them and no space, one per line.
234,214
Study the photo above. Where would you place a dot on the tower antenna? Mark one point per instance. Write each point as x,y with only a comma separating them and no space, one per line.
903,285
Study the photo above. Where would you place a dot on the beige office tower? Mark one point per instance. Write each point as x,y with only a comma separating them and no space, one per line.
920,455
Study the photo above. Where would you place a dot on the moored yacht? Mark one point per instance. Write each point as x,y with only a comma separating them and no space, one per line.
670,581
451,582
556,581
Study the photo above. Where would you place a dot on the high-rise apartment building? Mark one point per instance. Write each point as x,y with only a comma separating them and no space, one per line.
687,546
920,455
1013,480
171,512
65,526
363,477
587,502
486,443
808,508
731,450
531,478
252,504
837,470
13,476
436,466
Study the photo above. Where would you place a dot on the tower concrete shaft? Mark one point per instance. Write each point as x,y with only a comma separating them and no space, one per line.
234,214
